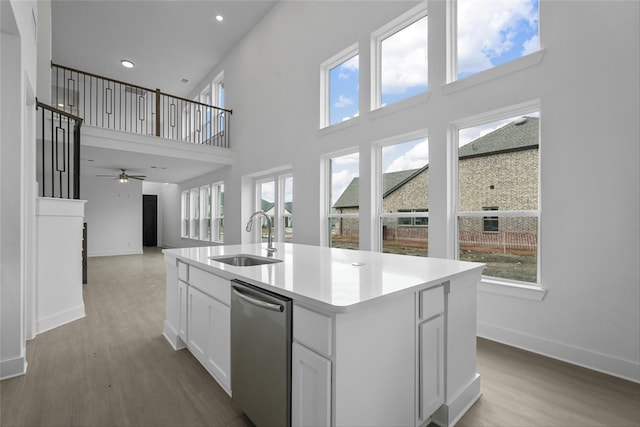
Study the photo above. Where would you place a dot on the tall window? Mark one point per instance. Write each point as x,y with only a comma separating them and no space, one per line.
400,58
217,195
344,201
218,100
498,171
340,87
402,192
194,207
490,33
184,230
206,98
287,211
275,198
205,212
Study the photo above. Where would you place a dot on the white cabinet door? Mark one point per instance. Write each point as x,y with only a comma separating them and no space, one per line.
182,310
219,344
198,323
310,388
209,336
431,367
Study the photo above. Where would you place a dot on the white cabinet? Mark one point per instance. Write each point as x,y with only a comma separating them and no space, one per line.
311,368
430,367
182,310
208,334
310,388
430,353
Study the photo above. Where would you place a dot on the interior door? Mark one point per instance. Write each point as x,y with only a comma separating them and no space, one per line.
149,220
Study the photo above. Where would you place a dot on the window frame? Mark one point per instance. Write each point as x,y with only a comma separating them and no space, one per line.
203,210
279,210
185,215
217,214
453,83
377,37
325,83
377,173
325,231
535,289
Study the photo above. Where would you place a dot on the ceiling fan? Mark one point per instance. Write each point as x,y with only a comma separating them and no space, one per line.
123,176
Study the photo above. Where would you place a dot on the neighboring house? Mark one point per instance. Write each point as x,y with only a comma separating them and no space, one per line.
490,172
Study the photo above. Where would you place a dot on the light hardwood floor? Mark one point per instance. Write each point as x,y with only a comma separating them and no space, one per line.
114,368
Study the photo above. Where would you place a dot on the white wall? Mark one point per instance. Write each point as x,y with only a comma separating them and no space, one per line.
17,181
587,86
113,214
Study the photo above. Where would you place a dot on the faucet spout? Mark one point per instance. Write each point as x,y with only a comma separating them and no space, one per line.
270,248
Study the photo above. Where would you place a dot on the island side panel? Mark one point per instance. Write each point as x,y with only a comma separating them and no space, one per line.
462,382
172,321
375,362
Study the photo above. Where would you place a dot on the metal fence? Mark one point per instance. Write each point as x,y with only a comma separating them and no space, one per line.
58,152
122,106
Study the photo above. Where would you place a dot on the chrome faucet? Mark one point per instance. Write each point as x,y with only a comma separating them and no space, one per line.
270,248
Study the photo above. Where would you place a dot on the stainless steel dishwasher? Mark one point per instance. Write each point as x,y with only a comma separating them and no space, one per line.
261,354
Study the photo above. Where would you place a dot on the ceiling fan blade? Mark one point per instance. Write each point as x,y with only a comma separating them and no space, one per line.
107,176
139,177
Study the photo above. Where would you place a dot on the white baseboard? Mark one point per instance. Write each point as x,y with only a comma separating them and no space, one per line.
59,319
115,253
13,367
611,365
171,335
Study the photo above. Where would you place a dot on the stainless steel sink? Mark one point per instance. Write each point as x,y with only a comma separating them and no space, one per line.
243,260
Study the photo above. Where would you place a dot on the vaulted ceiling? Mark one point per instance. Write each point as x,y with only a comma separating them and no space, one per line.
174,45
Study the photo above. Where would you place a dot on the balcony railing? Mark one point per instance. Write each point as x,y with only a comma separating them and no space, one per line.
58,152
117,105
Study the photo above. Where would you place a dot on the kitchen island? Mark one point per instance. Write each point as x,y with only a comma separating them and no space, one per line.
378,339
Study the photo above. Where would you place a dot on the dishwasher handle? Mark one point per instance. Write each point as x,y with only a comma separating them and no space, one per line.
257,302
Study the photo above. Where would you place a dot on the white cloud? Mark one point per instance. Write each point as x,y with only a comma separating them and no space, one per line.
404,58
531,45
414,158
343,101
352,64
487,28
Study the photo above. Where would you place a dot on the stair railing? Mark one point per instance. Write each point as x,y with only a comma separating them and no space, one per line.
122,106
58,152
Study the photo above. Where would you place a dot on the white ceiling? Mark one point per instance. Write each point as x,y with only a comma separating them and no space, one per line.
167,40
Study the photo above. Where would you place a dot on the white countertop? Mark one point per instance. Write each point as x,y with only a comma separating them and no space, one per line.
327,276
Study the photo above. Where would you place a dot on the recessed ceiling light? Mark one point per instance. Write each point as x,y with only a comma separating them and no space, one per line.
219,18
127,64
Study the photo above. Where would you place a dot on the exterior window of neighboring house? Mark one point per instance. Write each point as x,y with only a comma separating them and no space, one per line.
340,82
402,191
399,58
343,223
275,198
490,223
498,171
184,230
217,194
194,207
205,212
489,33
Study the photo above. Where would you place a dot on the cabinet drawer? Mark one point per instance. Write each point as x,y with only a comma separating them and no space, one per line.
183,271
313,329
211,285
431,302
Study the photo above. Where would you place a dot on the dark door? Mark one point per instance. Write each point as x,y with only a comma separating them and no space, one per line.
149,220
